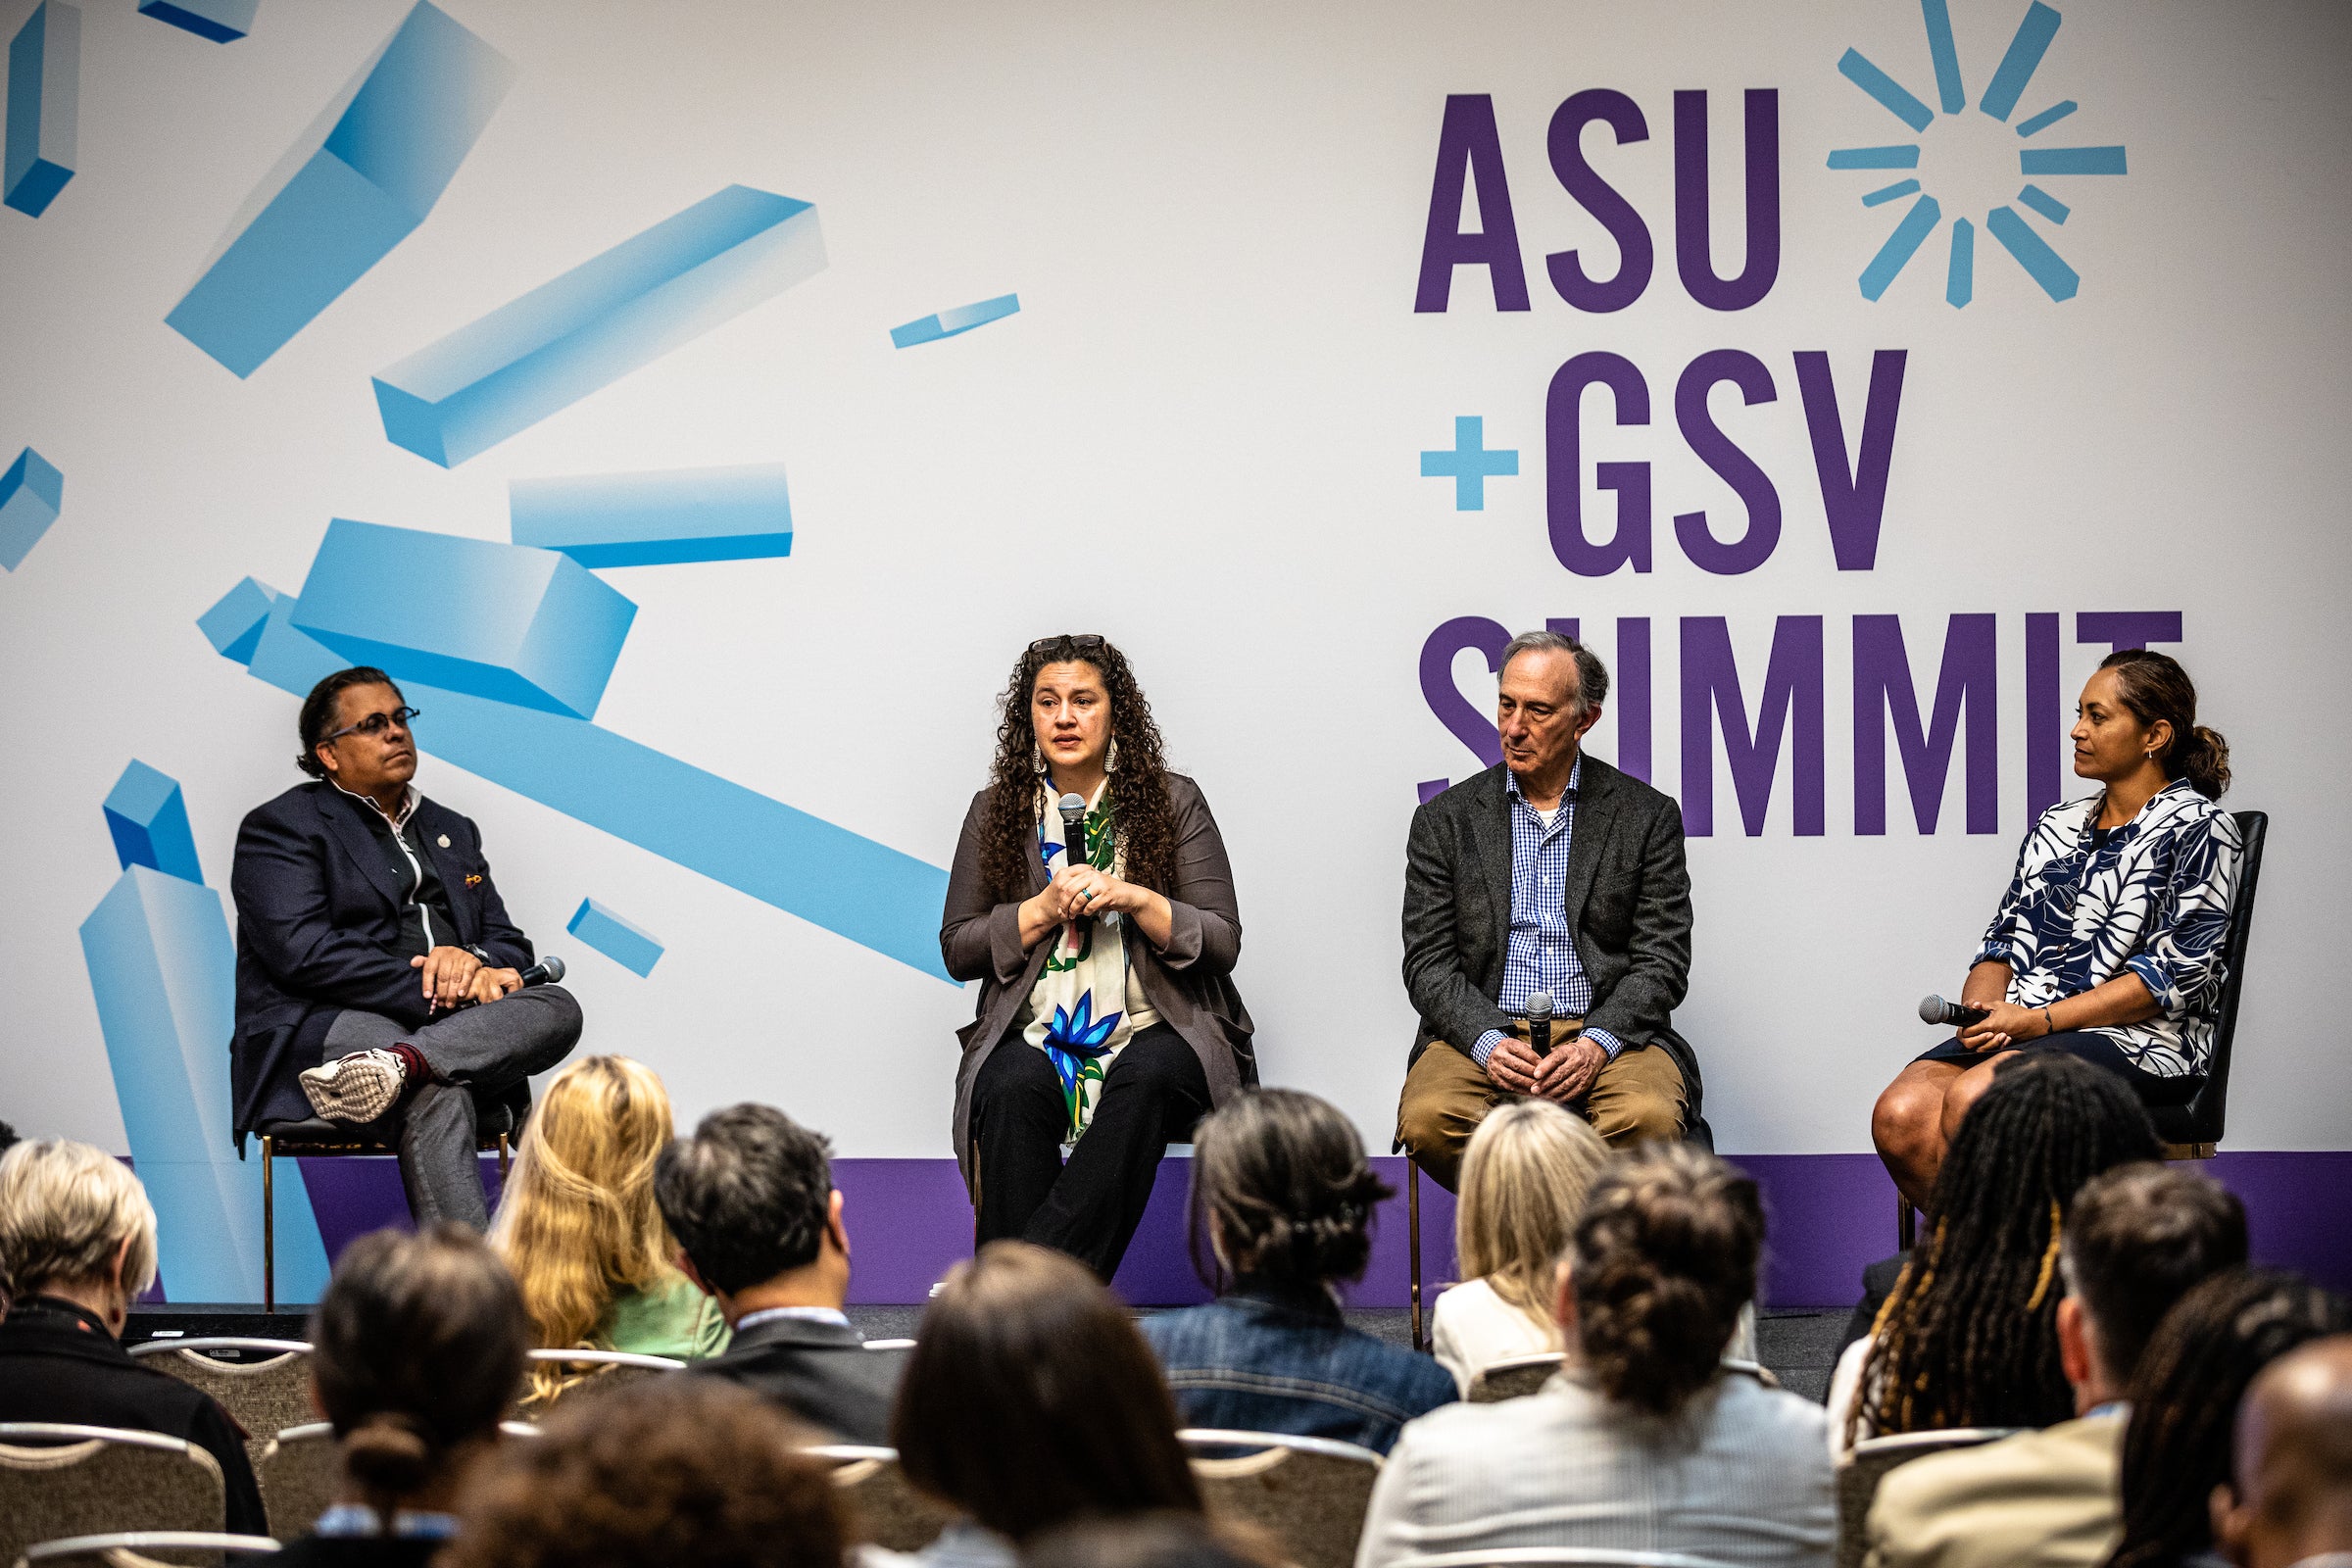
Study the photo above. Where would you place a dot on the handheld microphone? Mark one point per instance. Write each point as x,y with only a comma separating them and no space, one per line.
1936,1011
1072,807
1539,1023
546,972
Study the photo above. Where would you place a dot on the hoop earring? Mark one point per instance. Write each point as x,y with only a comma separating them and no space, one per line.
1111,759
1036,760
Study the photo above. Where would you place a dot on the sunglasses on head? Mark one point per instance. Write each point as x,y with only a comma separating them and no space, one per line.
1086,641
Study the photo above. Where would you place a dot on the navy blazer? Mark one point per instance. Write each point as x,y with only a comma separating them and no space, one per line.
319,930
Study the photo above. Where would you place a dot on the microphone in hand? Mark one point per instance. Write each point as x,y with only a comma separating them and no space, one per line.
1539,1023
1936,1011
1072,807
546,972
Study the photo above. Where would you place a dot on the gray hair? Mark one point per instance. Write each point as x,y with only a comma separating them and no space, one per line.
1592,675
65,1210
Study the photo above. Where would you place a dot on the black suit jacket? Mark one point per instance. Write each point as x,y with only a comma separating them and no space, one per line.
820,1372
1628,899
318,921
58,1363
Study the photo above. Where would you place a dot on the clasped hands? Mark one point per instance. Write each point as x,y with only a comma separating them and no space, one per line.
1564,1075
2003,1025
1077,890
454,977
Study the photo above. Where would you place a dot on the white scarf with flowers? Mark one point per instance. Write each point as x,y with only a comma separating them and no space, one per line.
1078,1008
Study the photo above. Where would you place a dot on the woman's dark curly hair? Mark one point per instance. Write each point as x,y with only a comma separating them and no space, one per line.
1147,823
1281,1191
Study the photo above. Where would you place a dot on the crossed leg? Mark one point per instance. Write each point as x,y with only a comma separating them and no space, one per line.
1918,1113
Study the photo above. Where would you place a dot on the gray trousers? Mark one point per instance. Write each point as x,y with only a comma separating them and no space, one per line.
476,1055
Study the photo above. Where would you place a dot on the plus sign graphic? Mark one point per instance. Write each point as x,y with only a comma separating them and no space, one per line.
1469,463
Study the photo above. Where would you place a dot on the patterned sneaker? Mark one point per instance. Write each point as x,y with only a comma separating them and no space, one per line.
357,1088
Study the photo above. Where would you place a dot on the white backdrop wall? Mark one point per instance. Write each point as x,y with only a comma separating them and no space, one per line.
1214,395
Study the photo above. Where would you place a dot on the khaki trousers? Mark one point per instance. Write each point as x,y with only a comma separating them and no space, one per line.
1638,1098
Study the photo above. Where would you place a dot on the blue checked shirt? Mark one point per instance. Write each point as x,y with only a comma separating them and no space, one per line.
1541,956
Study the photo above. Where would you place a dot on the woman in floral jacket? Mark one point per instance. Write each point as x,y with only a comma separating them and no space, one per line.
2109,943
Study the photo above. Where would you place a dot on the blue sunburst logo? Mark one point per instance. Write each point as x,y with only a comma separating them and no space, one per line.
2010,79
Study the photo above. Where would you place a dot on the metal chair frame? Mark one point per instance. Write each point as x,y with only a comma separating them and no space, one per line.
1556,1557
142,1541
1226,1438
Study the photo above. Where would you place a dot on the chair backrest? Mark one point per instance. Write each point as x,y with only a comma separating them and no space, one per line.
1561,1557
884,1509
58,1480
1509,1379
2207,1112
299,1470
585,1370
145,1548
1309,1494
267,1389
1859,1475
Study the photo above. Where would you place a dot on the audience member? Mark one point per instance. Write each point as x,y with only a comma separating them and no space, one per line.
78,1240
2139,1238
2184,1401
417,1351
1969,1338
1282,1198
1146,1540
750,1200
1645,1441
1030,1403
672,1472
2290,1499
579,1225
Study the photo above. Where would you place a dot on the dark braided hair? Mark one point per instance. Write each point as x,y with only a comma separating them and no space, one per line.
1281,1193
1969,1337
2184,1401
1147,823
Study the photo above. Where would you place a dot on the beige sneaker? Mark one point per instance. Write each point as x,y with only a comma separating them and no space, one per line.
359,1087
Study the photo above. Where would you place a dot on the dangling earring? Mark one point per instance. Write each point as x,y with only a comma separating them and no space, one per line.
1036,760
1111,759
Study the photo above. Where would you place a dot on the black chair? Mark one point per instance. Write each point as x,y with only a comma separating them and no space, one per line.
494,1125
2193,1131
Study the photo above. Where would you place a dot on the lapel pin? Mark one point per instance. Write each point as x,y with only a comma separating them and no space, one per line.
443,841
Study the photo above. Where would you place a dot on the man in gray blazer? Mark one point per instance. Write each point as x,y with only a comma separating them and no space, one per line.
1551,873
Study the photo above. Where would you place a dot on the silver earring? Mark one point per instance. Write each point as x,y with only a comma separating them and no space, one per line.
1111,759
1036,760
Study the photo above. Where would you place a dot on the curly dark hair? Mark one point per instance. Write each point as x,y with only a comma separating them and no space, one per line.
645,1475
1281,1191
1147,823
1969,1337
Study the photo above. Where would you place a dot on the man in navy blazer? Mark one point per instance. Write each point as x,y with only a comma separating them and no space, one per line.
379,976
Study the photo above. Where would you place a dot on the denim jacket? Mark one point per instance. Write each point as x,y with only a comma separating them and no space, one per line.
1267,1359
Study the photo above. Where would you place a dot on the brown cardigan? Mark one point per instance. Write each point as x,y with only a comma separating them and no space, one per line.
1189,982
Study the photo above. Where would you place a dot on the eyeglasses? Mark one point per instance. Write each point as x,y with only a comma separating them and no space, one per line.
375,725
1085,642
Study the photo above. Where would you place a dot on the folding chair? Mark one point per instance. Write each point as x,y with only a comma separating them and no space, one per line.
58,1480
888,1512
1859,1475
1309,1493
264,1394
1509,1379
601,1369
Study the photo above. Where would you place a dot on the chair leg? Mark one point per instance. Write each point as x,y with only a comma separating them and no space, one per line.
1906,1224
502,1160
1412,1210
268,1230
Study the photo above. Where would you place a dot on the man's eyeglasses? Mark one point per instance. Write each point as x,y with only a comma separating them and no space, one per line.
375,725
1086,641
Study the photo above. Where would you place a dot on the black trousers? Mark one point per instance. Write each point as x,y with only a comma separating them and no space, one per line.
1153,1097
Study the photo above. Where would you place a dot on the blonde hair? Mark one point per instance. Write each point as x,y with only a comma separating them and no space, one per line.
578,1224
1524,1180
66,1209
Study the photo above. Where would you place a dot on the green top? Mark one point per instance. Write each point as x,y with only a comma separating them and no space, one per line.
669,1317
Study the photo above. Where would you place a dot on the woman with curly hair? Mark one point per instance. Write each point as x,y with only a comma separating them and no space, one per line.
1107,1020
579,1228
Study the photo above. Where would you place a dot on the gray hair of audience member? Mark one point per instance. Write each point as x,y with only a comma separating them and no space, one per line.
748,1195
1281,1191
1592,675
67,1211
2140,1237
1165,1539
416,1351
1664,1259
2290,1495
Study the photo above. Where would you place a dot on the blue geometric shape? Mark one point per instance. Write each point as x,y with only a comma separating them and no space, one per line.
1912,232
1946,53
869,892
149,822
2072,161
2047,118
1469,462
952,323
1892,96
233,626
1888,193
359,180
2022,59
650,520
221,20
44,93
1960,279
163,973
1875,157
526,626
629,945
2041,264
2043,202
31,494
594,324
